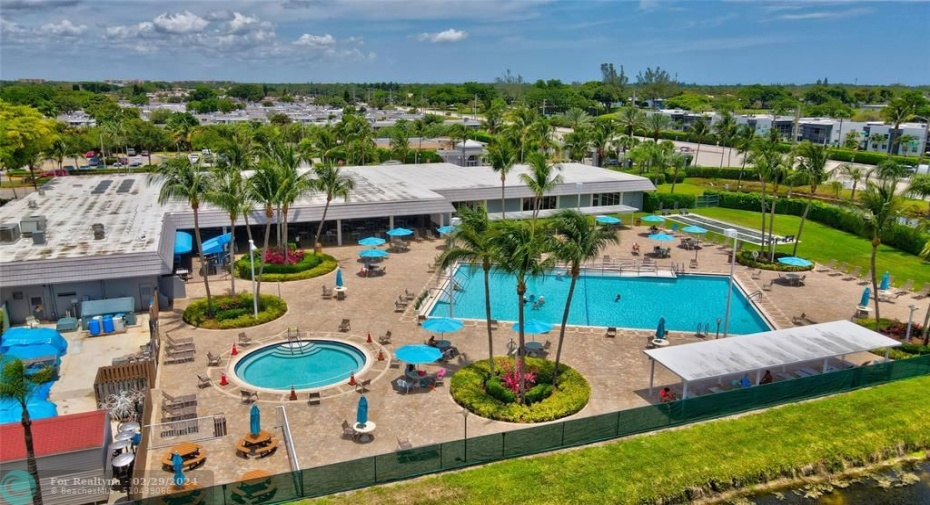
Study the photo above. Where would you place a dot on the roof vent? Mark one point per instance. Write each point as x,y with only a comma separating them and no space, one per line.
9,233
33,204
38,237
98,231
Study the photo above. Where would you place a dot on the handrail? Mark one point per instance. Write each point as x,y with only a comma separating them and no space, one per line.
288,439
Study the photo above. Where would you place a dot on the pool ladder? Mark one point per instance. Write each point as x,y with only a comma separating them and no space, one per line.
293,336
755,294
703,330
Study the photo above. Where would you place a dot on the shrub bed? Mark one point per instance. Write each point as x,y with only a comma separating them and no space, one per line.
310,265
234,311
491,396
762,261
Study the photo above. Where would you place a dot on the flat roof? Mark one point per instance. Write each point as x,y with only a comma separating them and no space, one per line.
770,349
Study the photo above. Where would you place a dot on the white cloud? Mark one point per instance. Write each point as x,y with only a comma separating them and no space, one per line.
63,29
450,35
180,23
859,11
358,41
316,41
241,23
129,31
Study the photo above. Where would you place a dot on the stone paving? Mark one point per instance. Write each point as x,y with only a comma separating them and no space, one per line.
617,369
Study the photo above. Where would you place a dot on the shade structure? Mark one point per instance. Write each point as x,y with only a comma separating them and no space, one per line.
215,244
417,354
652,218
444,230
371,241
442,325
361,416
660,328
697,230
866,296
177,463
886,282
400,232
255,420
183,242
607,220
794,261
373,253
662,237
339,278
533,326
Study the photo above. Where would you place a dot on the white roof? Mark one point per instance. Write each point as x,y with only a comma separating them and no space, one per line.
771,349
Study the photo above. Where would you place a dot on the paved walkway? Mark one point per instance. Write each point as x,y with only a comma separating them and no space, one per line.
617,369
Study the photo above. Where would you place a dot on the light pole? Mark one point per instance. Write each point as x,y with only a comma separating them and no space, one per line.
252,262
578,186
730,233
910,320
465,413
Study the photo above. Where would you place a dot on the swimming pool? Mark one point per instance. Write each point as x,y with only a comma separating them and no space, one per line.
684,301
305,365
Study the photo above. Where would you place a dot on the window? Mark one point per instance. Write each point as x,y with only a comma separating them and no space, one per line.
547,202
603,199
472,204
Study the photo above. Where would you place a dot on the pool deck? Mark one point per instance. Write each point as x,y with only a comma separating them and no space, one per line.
616,368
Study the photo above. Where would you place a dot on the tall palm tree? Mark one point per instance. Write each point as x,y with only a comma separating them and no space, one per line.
920,186
519,129
263,188
400,140
17,383
742,141
576,240
630,118
576,118
601,135
699,129
725,129
540,179
229,189
925,254
768,162
293,184
502,157
575,144
656,122
471,243
880,204
58,150
519,248
322,143
896,112
181,180
494,117
812,163
331,182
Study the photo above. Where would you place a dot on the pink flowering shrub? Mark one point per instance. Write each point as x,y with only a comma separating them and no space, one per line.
276,257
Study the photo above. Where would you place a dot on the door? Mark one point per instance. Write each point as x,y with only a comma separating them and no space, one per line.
146,292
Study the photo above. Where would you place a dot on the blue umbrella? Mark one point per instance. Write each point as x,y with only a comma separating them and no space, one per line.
417,354
697,230
660,330
215,244
662,237
362,416
445,229
399,232
866,296
371,241
373,253
533,326
794,261
177,463
338,277
183,242
886,282
652,218
607,220
255,420
442,325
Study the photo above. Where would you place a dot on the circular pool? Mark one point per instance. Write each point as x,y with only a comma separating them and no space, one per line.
306,364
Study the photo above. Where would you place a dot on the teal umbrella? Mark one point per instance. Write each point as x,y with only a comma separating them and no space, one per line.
607,220
886,282
866,296
445,230
652,218
338,277
442,325
662,237
255,420
400,232
697,230
660,329
361,416
373,253
794,261
371,241
417,354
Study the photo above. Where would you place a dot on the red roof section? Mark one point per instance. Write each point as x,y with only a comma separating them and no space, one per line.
54,435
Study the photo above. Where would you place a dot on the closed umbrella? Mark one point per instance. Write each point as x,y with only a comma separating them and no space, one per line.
371,241
866,296
417,354
652,218
794,261
660,329
361,416
338,277
373,253
697,230
255,420
442,325
607,220
399,232
177,463
886,282
662,237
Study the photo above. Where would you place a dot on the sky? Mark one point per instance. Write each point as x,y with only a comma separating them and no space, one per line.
719,42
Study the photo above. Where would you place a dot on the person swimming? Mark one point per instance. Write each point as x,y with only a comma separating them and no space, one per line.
617,299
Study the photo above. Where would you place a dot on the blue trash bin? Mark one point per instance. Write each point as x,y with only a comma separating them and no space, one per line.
93,326
108,324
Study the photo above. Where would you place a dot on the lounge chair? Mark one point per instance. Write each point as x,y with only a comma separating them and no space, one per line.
248,396
852,274
494,324
202,381
611,332
213,360
404,443
800,320
756,274
179,415
313,398
839,270
906,288
386,338
768,285
399,306
826,267
363,385
178,341
169,401
344,326
175,351
327,293
184,357
185,344
409,295
244,339
924,291
348,431
431,269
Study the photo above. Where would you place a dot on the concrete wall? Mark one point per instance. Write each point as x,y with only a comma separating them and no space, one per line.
56,299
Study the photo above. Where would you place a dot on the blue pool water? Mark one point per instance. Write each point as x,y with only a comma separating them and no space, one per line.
683,302
309,364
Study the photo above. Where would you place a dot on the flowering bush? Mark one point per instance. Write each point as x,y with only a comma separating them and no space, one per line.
510,378
276,257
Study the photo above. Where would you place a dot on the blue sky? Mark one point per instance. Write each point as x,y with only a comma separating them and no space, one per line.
725,42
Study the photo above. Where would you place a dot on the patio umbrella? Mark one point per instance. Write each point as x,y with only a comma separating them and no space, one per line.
338,277
697,230
866,296
361,417
652,218
417,354
662,237
607,220
445,230
178,465
215,244
533,326
886,282
442,325
255,420
660,329
371,241
373,253
183,242
794,261
400,232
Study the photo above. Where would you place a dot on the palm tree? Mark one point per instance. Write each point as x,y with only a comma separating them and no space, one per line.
400,141
630,118
181,180
540,179
880,204
519,247
920,186
726,130
471,243
575,144
925,254
322,144
812,162
519,130
293,184
58,150
263,188
502,157
768,162
229,189
896,112
494,117
856,174
577,240
656,122
742,141
601,135
17,383
576,118
699,129
332,182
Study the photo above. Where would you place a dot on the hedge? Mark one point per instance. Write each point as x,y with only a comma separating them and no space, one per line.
311,266
234,311
762,261
749,174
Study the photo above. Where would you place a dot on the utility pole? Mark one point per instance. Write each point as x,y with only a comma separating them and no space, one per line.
544,107
476,107
797,120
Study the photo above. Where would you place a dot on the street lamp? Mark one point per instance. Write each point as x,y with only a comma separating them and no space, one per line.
465,413
910,320
578,186
730,233
252,262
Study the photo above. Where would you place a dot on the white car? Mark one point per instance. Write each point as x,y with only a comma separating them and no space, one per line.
193,157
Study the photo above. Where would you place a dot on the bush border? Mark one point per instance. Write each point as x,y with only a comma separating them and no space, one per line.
327,264
745,258
274,308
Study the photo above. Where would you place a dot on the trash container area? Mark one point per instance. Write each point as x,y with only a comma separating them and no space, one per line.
108,324
93,326
119,324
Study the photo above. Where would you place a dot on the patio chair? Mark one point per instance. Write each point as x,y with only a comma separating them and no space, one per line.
439,379
852,274
202,381
431,269
839,270
313,398
611,332
213,360
546,347
248,396
404,443
386,338
327,293
906,288
800,320
169,401
400,306
348,431
756,274
344,326
363,385
409,295
244,339
924,291
768,285
826,267
404,384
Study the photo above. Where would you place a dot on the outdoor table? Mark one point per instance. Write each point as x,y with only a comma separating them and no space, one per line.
863,311
364,430
185,449
793,279
131,427
442,345
118,446
262,438
124,435
341,292
533,347
659,342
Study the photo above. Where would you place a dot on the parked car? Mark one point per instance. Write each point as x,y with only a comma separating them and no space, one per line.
54,173
130,151
135,163
90,154
144,153
193,157
117,165
684,149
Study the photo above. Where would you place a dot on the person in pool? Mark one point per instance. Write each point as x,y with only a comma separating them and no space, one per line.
617,298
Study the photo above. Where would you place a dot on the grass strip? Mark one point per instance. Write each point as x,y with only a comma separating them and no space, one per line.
828,434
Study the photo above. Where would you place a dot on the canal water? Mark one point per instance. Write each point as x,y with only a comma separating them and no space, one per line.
907,486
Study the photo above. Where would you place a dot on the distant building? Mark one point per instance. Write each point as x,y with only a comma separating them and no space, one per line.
468,155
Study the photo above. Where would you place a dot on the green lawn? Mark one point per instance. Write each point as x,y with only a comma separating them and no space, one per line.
682,188
857,426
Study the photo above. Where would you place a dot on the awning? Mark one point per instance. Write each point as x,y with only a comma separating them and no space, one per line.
215,244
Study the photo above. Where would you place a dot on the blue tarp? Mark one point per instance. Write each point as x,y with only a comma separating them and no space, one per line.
215,244
25,337
27,352
14,413
183,242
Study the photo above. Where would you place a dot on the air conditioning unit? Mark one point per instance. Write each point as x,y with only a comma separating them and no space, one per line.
98,231
9,233
31,224
38,237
